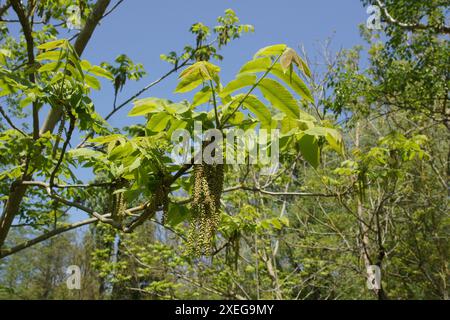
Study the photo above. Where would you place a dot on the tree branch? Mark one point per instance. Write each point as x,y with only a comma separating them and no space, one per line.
2,111
7,252
28,34
410,26
17,190
80,44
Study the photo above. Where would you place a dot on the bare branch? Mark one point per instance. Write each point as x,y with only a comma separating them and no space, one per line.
2,111
27,244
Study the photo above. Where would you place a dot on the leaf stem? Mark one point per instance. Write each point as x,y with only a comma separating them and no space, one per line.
216,113
224,121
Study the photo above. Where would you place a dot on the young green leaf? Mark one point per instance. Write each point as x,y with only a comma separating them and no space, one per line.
294,81
92,82
158,122
274,50
201,97
240,82
53,44
280,97
309,147
146,106
256,65
51,55
255,106
100,72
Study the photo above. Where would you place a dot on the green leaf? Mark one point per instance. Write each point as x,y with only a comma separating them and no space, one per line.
85,153
25,102
85,65
332,136
53,44
289,126
100,72
202,69
201,97
306,69
188,83
158,122
256,65
146,106
240,82
196,74
176,108
50,67
136,164
108,139
255,106
92,82
294,81
309,147
51,55
276,223
177,214
280,97
3,54
274,50
174,125
122,151
335,141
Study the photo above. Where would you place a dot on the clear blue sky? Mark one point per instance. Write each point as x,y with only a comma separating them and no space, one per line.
145,29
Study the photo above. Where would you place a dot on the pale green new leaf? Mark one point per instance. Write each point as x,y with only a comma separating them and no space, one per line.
176,108
332,136
255,106
240,82
85,153
51,55
92,82
256,65
146,106
274,50
196,74
158,122
280,97
53,44
108,139
50,67
188,83
309,147
100,72
294,81
201,97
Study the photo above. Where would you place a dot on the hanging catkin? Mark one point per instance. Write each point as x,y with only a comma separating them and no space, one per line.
208,187
119,203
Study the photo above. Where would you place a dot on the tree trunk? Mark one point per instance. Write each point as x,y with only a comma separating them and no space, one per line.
17,192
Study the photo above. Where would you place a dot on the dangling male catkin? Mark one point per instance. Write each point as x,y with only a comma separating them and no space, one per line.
208,187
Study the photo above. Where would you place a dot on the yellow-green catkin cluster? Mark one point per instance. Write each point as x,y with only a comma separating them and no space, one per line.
208,188
164,194
119,206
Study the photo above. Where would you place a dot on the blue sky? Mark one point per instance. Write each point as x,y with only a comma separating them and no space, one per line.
143,30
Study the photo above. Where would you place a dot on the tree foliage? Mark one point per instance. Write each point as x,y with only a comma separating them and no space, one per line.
362,180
